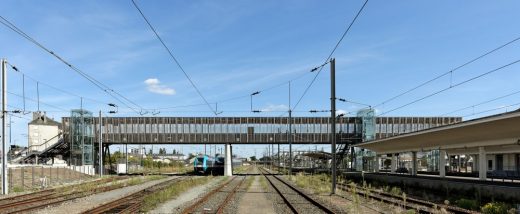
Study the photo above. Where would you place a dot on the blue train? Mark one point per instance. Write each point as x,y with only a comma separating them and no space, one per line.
204,164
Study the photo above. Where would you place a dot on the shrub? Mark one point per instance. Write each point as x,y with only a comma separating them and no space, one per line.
467,204
495,208
395,191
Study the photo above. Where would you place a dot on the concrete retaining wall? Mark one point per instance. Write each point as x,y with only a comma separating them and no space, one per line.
446,187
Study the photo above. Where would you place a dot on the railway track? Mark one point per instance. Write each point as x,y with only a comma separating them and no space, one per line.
217,200
296,200
420,206
133,202
41,199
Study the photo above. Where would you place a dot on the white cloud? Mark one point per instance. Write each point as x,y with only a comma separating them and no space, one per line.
341,111
272,107
154,85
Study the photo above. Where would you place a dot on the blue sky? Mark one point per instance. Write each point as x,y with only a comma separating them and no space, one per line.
233,48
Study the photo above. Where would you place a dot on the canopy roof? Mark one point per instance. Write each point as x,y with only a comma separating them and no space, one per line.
500,129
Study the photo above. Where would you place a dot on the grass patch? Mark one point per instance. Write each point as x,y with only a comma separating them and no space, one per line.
248,182
319,183
263,183
241,169
151,201
467,204
164,169
17,189
90,187
139,180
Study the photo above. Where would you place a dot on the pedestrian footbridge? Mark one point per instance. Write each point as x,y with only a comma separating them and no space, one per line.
242,130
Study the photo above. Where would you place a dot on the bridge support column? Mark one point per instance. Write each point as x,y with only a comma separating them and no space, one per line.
376,165
393,163
227,162
414,163
442,163
482,171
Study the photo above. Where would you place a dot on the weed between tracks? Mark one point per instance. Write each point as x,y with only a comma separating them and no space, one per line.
151,201
263,183
91,187
248,182
319,183
241,169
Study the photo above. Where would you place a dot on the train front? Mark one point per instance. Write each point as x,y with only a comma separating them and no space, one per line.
199,164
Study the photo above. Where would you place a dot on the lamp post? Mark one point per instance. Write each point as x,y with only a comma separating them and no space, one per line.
253,94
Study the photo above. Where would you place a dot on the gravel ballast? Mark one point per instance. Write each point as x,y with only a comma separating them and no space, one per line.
177,204
86,203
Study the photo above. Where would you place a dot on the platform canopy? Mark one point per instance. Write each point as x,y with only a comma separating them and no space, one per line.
499,132
319,155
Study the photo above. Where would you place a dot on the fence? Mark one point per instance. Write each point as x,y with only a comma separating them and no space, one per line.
40,177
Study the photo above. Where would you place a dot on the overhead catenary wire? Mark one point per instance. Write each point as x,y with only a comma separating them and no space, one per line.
173,57
95,82
14,107
236,97
450,87
14,114
19,116
38,83
243,96
263,89
481,103
490,110
25,75
354,102
330,55
450,72
38,102
61,110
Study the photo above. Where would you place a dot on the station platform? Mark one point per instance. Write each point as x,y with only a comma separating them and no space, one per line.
468,187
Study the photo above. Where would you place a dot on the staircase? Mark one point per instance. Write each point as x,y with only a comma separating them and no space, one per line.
344,148
58,148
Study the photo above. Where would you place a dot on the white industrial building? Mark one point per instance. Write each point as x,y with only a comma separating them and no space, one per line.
43,132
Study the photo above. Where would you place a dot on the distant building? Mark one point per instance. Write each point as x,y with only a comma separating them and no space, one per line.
167,161
138,151
43,132
173,157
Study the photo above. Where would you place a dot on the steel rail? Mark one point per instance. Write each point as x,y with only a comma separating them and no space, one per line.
27,196
223,205
131,203
411,203
194,206
61,199
48,192
300,193
28,200
293,209
25,204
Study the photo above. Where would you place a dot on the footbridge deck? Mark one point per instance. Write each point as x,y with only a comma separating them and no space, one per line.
245,130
